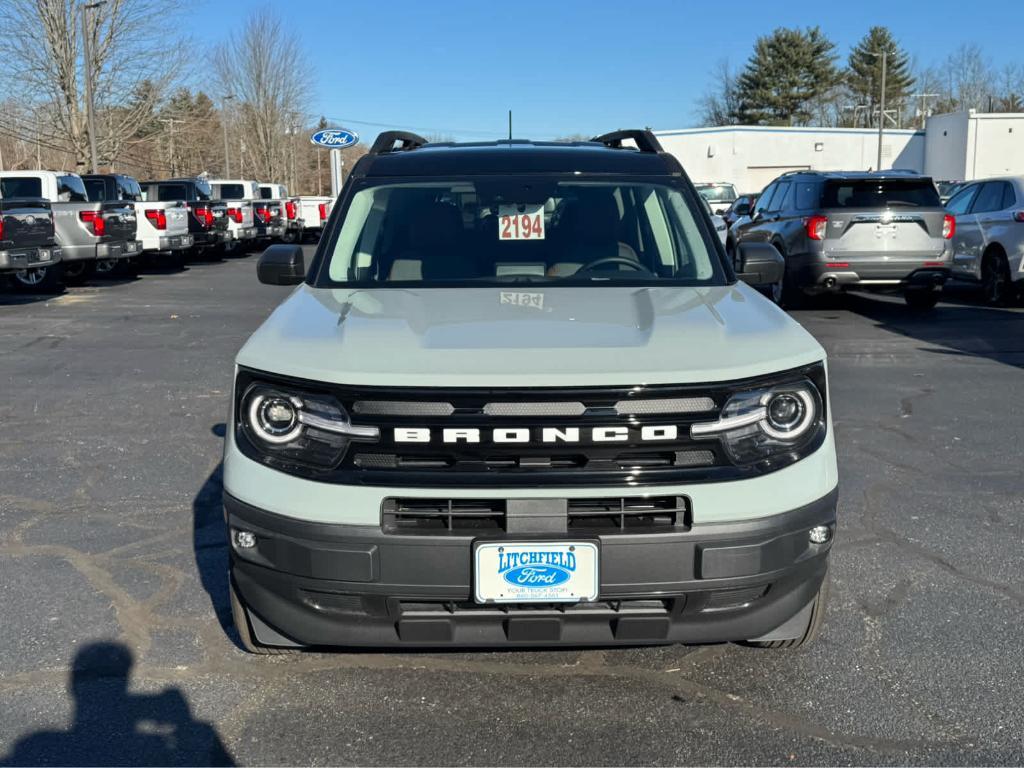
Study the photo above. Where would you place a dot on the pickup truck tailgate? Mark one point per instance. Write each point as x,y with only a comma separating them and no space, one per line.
119,221
26,222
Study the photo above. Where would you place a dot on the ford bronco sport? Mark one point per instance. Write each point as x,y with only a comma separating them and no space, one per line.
519,398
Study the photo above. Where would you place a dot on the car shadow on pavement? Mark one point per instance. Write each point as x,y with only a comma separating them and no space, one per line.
210,544
955,328
113,726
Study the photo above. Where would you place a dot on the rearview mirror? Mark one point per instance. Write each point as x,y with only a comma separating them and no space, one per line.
760,264
282,265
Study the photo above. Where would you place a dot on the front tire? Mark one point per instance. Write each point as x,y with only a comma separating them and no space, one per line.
995,278
814,624
44,280
244,629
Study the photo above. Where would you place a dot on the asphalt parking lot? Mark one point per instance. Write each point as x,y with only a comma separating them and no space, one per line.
115,635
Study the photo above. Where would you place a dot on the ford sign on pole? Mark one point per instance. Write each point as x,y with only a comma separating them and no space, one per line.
334,138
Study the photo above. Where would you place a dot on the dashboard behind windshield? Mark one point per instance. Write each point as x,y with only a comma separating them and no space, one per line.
514,230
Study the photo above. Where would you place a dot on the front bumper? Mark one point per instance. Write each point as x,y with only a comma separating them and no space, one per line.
309,584
15,259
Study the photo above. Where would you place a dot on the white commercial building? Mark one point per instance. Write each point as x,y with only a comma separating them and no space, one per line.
957,146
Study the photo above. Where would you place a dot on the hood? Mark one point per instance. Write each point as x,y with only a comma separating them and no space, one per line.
579,336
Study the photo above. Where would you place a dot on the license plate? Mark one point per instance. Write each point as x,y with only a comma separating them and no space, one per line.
520,222
535,572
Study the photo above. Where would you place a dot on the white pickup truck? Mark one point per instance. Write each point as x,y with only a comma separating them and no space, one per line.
85,230
238,195
313,211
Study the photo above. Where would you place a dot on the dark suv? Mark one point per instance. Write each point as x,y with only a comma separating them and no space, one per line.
841,230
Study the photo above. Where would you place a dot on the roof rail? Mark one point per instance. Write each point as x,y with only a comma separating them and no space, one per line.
645,140
386,141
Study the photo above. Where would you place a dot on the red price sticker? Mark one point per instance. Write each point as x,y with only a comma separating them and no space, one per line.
520,222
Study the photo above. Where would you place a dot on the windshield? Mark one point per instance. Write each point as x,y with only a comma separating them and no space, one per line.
510,230
881,193
717,193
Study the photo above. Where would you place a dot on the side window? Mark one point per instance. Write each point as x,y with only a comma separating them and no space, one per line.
782,200
808,195
990,198
961,201
765,198
1009,196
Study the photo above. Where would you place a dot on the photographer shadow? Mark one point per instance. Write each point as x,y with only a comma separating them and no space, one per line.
115,727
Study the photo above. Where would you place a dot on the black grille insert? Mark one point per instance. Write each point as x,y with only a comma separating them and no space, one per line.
442,515
631,513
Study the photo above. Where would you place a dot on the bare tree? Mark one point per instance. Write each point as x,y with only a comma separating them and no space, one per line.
130,45
263,66
719,104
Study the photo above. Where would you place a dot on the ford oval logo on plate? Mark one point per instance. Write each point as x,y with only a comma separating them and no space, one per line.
334,138
536,576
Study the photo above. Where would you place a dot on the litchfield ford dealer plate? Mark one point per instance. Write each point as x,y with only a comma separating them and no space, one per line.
535,572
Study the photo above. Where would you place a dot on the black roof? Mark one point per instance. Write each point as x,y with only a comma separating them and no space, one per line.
859,175
414,156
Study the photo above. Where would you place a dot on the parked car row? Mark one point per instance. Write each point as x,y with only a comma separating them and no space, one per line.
60,228
887,230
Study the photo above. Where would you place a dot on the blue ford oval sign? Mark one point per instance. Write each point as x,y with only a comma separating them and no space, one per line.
334,138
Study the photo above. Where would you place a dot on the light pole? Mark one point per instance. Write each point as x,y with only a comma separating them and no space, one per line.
224,123
87,67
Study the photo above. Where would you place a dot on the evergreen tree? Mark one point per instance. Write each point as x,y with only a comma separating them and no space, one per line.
790,71
864,76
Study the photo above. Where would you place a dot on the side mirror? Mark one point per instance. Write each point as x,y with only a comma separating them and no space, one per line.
760,264
282,265
742,210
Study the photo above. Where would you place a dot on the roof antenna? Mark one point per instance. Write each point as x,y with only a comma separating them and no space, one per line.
510,125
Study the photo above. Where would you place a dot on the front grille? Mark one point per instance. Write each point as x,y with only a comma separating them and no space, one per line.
442,515
636,514
504,437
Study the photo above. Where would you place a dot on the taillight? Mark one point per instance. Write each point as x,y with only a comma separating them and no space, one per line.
263,214
1,228
948,226
157,218
235,214
1018,216
289,209
815,226
94,221
203,215
323,211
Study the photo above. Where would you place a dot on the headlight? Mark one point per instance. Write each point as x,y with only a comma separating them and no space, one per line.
785,420
294,427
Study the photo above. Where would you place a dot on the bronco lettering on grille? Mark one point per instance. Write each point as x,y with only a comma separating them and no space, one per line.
505,435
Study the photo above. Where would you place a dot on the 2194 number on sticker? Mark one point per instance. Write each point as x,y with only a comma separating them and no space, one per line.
517,222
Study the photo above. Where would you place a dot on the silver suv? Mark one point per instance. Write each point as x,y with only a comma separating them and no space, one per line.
840,230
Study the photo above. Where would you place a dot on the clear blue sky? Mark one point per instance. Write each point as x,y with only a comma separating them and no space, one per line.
568,66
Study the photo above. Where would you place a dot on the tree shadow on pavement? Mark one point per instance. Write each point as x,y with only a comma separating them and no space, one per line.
960,328
115,727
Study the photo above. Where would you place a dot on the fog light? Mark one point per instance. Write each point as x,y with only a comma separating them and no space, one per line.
819,534
245,539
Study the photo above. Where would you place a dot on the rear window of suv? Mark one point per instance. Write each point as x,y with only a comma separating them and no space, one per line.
881,193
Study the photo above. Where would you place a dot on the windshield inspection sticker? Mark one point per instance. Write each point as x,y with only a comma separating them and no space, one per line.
520,222
534,300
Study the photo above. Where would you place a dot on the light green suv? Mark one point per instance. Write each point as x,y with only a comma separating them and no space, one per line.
519,398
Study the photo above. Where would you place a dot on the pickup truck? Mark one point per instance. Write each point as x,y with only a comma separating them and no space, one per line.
28,252
208,218
238,195
85,230
277,205
313,211
106,187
